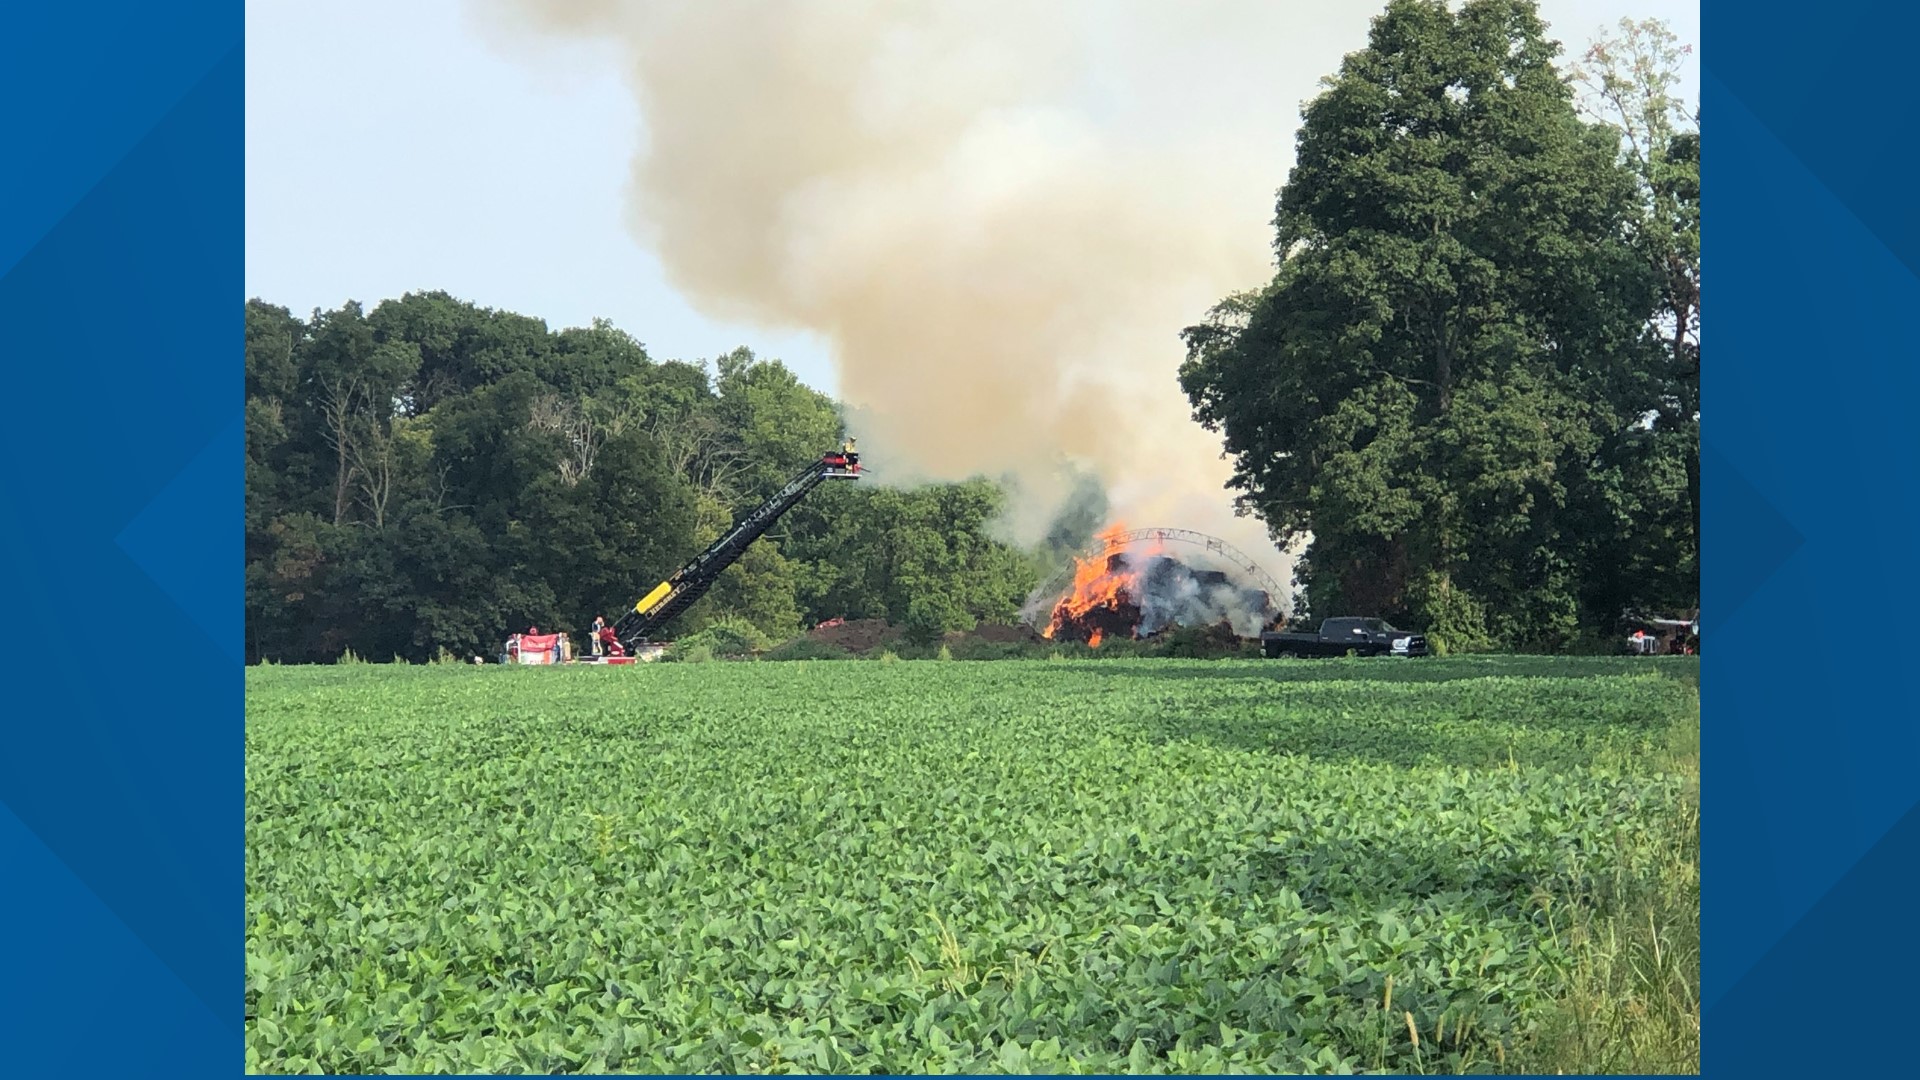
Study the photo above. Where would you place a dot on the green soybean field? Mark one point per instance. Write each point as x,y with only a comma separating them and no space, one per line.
1114,866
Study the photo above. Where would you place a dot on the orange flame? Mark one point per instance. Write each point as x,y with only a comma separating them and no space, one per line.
1096,584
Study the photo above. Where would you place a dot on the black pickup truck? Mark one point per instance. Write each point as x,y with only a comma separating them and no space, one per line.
1339,637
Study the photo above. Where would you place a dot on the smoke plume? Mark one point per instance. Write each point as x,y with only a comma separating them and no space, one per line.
999,215
1176,594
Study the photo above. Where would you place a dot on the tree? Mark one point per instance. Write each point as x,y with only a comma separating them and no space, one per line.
351,385
777,423
760,589
1629,80
461,346
872,553
578,430
584,362
602,542
272,369
930,616
1450,336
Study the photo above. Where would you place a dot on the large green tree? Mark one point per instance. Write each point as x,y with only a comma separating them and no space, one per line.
1456,332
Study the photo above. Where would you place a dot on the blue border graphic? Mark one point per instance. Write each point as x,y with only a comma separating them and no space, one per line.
1812,752
120,781
121,777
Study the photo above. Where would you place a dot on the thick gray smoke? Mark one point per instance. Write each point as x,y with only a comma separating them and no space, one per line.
1175,594
999,215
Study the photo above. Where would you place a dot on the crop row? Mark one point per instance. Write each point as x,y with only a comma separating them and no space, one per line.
929,866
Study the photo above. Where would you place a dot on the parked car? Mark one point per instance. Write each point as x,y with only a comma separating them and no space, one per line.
1344,636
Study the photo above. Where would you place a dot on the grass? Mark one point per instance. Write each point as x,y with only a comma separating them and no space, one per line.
1632,966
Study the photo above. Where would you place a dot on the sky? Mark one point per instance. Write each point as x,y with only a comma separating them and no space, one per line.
426,145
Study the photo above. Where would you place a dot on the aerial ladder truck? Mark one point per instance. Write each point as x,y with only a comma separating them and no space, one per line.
689,583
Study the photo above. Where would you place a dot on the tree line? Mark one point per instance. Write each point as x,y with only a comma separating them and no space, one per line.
432,475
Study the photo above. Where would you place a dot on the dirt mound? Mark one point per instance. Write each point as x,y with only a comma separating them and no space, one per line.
856,635
1202,641
999,634
864,637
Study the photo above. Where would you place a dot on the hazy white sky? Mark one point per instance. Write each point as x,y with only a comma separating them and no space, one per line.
398,147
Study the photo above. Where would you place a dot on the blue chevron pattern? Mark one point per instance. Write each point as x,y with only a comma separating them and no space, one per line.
120,800
120,291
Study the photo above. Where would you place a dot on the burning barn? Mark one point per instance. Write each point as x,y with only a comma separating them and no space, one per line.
1125,593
